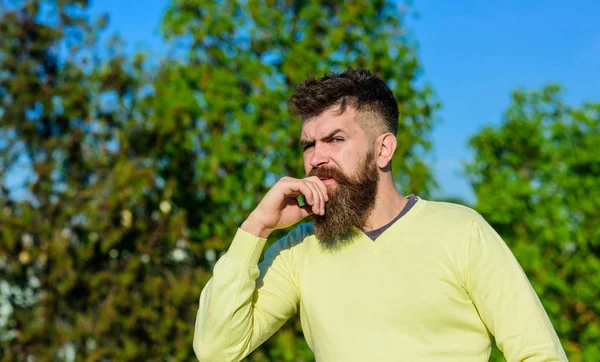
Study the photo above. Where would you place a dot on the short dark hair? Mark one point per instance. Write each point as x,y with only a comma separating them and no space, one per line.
359,88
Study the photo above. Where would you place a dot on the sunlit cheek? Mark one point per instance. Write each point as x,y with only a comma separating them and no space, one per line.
351,165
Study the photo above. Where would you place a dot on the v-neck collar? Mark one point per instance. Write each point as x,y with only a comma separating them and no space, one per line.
412,200
393,231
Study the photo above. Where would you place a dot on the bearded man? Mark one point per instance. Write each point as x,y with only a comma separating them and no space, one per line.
376,276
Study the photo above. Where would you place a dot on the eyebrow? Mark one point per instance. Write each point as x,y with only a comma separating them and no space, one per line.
305,143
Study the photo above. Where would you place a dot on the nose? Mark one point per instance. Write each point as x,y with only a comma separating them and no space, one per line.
318,158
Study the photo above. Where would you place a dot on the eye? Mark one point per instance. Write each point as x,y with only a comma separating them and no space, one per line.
337,139
306,147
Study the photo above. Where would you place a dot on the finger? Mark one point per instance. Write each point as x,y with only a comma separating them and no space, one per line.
317,205
311,191
321,198
300,187
321,185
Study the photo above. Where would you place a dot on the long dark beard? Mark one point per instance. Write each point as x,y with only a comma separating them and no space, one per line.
349,204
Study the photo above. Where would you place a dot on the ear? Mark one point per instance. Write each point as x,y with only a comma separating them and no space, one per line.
386,146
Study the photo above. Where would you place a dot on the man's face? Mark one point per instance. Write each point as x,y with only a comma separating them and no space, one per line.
334,141
337,150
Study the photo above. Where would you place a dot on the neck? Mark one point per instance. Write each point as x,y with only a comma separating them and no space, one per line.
388,204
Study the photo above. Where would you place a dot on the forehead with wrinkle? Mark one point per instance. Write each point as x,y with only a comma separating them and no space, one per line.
368,121
328,120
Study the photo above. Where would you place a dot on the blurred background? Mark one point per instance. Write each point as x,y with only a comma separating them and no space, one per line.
136,136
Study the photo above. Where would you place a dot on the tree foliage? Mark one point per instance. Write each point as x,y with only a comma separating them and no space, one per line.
137,176
95,255
537,180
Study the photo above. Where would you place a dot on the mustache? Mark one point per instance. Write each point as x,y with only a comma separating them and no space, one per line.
333,173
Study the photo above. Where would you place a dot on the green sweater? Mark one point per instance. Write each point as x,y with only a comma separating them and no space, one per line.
433,287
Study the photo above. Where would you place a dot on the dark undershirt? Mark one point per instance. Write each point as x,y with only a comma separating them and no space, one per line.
374,234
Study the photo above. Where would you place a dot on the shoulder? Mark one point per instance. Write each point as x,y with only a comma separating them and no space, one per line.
448,222
457,222
449,213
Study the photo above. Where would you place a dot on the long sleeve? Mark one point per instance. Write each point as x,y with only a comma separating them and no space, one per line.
244,304
506,301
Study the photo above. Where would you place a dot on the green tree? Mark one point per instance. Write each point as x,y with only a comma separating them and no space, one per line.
95,260
241,61
537,180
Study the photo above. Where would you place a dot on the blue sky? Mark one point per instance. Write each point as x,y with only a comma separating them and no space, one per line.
474,53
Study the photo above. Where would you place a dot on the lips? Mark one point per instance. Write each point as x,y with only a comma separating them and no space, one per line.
327,180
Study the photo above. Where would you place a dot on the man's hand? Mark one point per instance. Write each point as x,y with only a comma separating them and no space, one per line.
279,208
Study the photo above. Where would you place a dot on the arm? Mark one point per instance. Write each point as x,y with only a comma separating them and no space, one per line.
506,301
242,305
